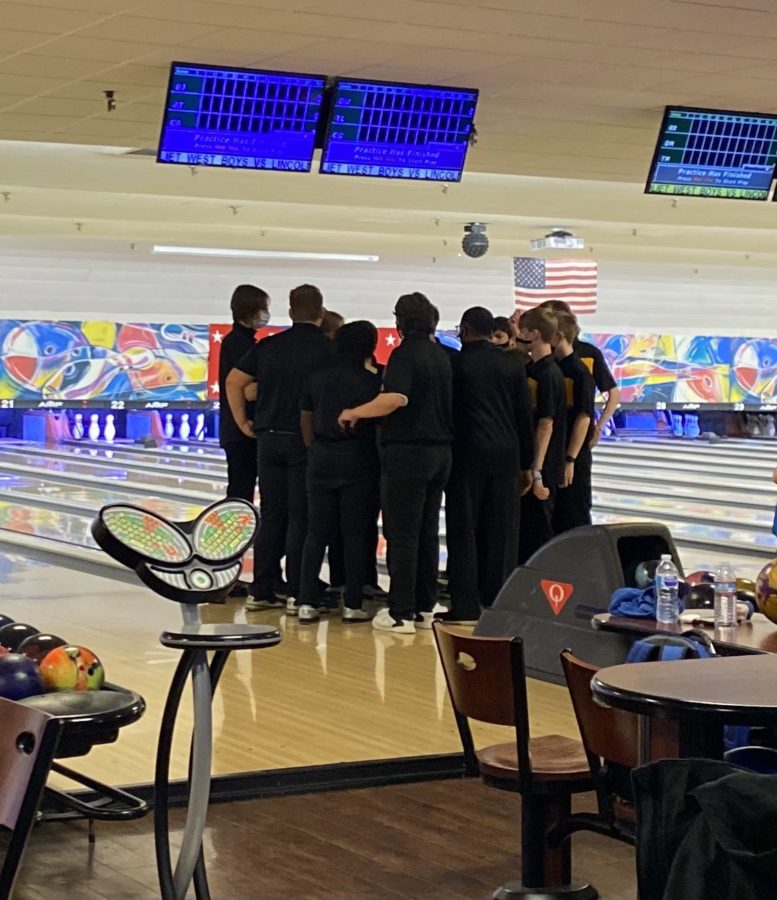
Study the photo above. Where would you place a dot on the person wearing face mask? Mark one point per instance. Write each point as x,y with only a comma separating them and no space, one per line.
279,367
503,334
250,310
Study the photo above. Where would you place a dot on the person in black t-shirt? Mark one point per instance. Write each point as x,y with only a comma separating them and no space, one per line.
492,456
573,502
343,469
538,327
250,307
416,437
593,359
280,365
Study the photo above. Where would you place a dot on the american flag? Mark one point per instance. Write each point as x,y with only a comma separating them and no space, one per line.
572,280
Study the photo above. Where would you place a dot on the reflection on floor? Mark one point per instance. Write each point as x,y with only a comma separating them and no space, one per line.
446,840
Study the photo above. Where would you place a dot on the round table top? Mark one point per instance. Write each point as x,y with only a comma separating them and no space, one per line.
732,688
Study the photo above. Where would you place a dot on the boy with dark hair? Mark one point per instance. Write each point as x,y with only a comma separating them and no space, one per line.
573,502
250,307
492,455
537,328
332,323
593,359
280,365
416,436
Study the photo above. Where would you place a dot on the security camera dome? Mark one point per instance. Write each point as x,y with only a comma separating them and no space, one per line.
475,241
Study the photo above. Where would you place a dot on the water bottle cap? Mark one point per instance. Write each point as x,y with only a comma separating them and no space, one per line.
666,556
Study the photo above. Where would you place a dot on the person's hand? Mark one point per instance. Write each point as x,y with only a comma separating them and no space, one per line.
247,428
526,481
569,474
540,491
347,418
596,436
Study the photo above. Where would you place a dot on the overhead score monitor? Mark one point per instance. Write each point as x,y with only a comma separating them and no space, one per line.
240,118
714,153
392,130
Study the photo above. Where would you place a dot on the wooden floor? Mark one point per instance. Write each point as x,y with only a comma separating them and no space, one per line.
328,693
445,840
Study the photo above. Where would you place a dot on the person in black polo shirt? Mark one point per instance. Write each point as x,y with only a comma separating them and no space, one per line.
279,365
492,448
573,502
343,470
593,359
538,327
250,310
416,437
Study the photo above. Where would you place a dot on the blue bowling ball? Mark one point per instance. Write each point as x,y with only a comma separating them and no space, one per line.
19,677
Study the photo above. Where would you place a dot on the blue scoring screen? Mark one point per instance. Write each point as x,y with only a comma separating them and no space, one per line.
398,131
714,153
240,118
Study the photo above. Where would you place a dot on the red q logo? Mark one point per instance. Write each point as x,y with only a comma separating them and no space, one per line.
557,593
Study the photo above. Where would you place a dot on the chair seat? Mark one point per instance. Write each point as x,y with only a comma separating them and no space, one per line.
553,758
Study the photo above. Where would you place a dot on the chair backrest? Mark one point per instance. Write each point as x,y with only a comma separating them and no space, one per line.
486,680
28,741
608,734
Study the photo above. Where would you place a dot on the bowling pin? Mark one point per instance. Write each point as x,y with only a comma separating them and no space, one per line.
109,432
199,427
78,427
769,429
185,428
94,427
169,427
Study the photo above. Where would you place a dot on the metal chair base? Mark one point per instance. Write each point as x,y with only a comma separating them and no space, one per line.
515,890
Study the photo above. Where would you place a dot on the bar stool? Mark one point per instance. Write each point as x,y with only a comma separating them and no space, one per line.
189,563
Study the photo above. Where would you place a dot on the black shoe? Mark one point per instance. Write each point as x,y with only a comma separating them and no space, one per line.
281,590
238,590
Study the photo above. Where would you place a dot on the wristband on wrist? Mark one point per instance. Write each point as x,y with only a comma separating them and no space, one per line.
536,476
571,459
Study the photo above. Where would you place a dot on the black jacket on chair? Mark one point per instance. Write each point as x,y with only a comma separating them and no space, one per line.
705,831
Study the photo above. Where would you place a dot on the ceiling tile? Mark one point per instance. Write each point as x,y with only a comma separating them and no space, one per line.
145,30
31,17
250,40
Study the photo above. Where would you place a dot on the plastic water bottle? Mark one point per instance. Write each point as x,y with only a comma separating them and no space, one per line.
725,597
666,591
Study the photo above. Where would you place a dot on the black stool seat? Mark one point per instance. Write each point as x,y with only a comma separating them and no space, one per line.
89,717
221,637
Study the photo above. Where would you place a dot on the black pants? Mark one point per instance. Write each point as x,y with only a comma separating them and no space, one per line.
282,460
536,524
241,469
414,476
335,552
338,504
481,516
573,503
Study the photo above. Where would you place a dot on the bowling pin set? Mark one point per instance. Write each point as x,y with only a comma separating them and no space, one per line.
96,428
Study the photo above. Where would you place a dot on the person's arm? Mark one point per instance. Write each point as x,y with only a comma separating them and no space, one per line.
237,382
306,426
542,434
524,427
383,405
251,392
613,399
575,445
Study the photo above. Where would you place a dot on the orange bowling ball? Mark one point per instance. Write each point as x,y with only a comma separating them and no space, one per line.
71,668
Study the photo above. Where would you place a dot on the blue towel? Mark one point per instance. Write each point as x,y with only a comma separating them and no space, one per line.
635,603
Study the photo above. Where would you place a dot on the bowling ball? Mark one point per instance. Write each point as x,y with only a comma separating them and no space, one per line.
703,576
5,620
69,668
12,635
39,645
745,584
645,573
700,596
766,590
19,677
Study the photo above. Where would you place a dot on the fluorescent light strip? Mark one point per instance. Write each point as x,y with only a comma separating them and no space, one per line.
261,254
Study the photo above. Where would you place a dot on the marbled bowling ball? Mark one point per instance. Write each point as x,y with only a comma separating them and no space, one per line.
645,573
700,596
703,576
746,584
19,677
71,668
12,635
39,645
766,590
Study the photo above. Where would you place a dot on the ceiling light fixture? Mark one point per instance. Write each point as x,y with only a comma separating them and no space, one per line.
261,254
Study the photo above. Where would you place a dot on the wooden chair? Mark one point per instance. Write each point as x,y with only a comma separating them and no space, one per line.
487,682
611,742
28,740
